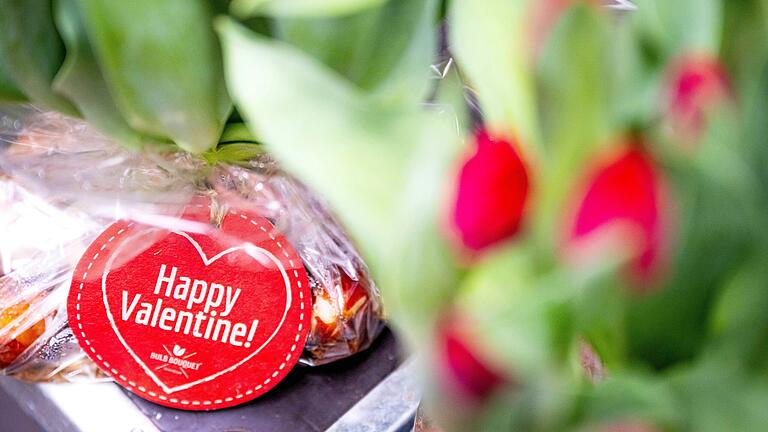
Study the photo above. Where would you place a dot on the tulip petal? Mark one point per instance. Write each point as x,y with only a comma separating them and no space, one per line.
491,194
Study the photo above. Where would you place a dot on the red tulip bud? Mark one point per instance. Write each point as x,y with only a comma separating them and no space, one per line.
462,371
623,207
697,84
491,193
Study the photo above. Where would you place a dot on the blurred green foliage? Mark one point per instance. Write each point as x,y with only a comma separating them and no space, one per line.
342,92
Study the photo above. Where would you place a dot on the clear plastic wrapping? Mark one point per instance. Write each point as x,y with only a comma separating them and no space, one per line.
62,183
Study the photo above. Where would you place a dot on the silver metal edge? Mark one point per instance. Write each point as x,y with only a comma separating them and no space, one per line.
78,407
390,407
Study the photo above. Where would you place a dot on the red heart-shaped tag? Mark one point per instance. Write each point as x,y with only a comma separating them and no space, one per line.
192,320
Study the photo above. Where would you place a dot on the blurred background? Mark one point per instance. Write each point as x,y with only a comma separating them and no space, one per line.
562,202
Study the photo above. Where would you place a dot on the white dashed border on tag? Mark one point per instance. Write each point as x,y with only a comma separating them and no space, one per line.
208,403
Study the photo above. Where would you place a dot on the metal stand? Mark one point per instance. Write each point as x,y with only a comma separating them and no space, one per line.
370,392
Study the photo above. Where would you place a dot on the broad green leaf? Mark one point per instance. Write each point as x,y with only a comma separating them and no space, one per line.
764,11
635,78
510,304
600,316
31,51
280,8
700,390
523,316
9,91
450,96
745,25
686,25
491,46
236,132
233,152
632,396
81,81
163,67
755,127
573,73
707,243
405,73
418,271
380,166
395,67
277,89
719,226
738,320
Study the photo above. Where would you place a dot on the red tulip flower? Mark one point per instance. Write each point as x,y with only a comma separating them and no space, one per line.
623,207
462,371
697,84
491,193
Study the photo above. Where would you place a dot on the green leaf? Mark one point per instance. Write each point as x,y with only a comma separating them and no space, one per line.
281,8
673,324
32,51
685,25
163,67
516,310
520,314
234,152
490,45
394,67
745,24
701,389
9,91
236,132
755,127
573,71
381,166
450,96
600,311
405,73
738,319
715,209
632,396
635,74
80,79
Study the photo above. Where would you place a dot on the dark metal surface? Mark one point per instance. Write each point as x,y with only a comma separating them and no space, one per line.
24,409
309,399
390,407
14,418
